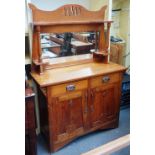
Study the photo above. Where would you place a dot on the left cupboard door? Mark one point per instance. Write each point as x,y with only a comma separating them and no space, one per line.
69,115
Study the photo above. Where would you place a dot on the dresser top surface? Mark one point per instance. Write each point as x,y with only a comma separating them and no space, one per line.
77,72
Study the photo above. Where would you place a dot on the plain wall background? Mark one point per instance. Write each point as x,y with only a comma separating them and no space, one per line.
53,4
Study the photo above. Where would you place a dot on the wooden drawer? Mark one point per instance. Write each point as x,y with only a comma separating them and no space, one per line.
104,79
69,87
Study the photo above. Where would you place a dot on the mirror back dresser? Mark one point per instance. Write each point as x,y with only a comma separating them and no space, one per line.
77,94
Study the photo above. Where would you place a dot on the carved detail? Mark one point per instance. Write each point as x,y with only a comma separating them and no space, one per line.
72,10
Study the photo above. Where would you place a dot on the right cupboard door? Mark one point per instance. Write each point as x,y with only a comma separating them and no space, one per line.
105,101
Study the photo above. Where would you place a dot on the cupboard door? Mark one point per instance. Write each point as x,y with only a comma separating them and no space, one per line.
69,113
104,104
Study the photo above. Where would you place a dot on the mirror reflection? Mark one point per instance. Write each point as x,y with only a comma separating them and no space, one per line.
67,44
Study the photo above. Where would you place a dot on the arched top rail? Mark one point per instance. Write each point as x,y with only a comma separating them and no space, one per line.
67,14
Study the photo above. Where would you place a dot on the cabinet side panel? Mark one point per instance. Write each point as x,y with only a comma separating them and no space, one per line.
43,114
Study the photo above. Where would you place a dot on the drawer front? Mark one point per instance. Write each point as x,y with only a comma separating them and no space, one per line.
69,87
104,79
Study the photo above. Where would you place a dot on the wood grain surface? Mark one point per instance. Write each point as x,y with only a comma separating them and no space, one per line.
63,75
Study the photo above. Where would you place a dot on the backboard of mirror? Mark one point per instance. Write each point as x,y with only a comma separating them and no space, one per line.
68,35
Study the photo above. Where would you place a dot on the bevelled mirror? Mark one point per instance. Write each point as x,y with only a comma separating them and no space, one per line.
56,45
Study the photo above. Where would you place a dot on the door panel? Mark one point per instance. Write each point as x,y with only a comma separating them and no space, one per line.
104,104
70,115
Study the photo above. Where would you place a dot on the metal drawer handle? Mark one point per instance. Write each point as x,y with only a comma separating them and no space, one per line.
105,79
70,87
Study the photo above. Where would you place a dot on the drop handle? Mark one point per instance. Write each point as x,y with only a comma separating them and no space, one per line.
70,87
105,79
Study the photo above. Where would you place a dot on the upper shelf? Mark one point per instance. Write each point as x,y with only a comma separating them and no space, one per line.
68,14
70,22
